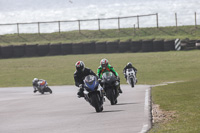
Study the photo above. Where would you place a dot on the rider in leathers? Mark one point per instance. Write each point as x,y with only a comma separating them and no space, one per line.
104,67
79,75
129,65
35,84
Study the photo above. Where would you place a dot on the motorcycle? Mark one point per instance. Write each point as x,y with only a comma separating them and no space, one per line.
43,87
93,92
110,86
131,78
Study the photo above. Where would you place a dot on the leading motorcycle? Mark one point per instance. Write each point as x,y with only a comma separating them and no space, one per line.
110,86
93,92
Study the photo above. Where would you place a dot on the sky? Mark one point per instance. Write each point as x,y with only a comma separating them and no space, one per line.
22,11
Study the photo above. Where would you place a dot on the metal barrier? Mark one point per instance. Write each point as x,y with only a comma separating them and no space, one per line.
99,20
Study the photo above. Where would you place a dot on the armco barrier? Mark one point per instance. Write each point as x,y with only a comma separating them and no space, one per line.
43,49
198,44
89,47
191,45
112,47
7,51
31,50
100,47
169,45
19,50
55,49
158,45
0,51
66,48
77,48
124,46
188,44
136,46
147,46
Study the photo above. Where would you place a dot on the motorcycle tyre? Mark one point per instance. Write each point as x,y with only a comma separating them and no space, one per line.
132,83
111,96
49,90
42,92
96,103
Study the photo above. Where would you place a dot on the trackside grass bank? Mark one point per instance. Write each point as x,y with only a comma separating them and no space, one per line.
153,68
172,32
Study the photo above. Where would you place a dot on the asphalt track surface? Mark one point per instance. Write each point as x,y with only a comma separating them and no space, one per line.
22,111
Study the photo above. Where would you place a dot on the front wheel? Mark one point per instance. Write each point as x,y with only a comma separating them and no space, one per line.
132,82
49,90
96,102
110,94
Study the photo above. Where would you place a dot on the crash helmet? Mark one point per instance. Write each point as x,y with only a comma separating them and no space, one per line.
35,80
104,63
80,66
129,64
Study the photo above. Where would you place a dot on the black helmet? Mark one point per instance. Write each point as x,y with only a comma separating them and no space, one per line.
80,66
129,64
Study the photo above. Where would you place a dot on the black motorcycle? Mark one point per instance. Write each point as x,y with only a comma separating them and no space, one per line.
93,92
110,86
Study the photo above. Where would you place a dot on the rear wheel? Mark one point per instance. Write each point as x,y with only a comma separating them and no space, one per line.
42,92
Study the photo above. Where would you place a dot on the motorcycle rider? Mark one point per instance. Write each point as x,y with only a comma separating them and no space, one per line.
35,84
129,65
79,75
105,67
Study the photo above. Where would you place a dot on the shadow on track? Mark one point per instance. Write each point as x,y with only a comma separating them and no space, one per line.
125,103
111,111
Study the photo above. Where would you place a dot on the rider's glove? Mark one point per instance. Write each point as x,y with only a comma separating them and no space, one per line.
81,86
118,78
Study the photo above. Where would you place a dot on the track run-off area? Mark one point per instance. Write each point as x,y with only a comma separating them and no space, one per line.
22,111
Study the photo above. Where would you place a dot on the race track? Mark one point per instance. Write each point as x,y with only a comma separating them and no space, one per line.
22,111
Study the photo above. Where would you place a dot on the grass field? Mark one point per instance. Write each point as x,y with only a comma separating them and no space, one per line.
153,68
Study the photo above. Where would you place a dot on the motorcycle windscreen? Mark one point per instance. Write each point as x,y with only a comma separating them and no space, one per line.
130,69
91,82
107,75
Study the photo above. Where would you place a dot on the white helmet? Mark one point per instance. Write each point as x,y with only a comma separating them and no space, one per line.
35,80
104,63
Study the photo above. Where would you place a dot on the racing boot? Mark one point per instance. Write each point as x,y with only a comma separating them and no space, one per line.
103,92
80,93
35,91
120,91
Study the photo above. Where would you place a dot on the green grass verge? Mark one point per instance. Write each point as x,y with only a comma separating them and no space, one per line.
153,68
183,98
181,32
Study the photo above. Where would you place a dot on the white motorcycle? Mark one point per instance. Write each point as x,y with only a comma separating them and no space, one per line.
131,77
